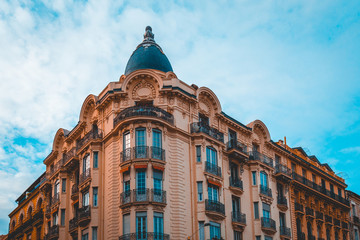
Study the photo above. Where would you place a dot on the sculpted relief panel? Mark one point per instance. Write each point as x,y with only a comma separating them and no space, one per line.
143,90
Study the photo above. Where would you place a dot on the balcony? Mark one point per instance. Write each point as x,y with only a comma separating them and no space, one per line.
145,235
285,232
299,208
265,190
309,212
214,209
356,220
282,203
55,199
238,219
142,152
283,173
198,127
69,160
74,192
73,224
38,216
336,222
268,225
53,233
236,185
237,150
319,189
84,176
94,134
147,111
328,219
319,216
344,225
143,196
212,169
55,168
256,156
84,215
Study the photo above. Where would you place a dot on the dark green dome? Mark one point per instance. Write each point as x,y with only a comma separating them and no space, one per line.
148,55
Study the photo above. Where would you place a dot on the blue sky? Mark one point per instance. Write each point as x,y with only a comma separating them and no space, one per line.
295,65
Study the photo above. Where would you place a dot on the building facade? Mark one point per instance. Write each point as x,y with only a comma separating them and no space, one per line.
155,158
354,222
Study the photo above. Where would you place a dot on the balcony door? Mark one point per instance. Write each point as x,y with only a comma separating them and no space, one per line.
282,219
158,178
264,179
211,156
157,144
141,185
86,163
236,208
234,171
232,138
213,192
204,120
141,226
158,226
126,146
140,143
215,230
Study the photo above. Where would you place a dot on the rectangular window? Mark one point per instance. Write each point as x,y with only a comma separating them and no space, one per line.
157,152
277,159
141,225
126,223
95,196
258,237
253,174
232,139
339,192
140,143
266,210
126,140
141,185
264,179
55,219
95,159
85,199
256,210
63,186
304,173
293,167
158,225
198,153
211,156
158,178
200,191
314,178
62,222
237,235
126,179
86,163
268,238
215,230
85,236
94,233
201,231
236,205
331,188
213,192
282,219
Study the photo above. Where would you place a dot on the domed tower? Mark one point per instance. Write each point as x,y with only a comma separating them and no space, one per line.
148,55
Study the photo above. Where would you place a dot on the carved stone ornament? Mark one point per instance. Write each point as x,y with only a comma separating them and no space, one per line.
144,90
204,107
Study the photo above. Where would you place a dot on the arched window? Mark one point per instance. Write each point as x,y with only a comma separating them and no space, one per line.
13,225
38,207
21,218
29,212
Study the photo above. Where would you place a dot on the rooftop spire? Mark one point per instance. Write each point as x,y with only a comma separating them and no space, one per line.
148,36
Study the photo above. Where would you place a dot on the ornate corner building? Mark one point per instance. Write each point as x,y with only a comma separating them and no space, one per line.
155,158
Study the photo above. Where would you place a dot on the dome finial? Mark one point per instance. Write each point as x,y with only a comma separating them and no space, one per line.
148,36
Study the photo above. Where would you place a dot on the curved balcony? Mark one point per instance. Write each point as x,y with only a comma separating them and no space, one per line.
266,191
53,233
299,208
319,216
142,152
282,203
285,232
256,156
73,225
143,196
283,173
328,220
55,199
236,185
238,219
198,127
69,160
93,134
309,212
237,150
85,176
214,209
139,111
74,192
145,235
84,215
212,169
268,225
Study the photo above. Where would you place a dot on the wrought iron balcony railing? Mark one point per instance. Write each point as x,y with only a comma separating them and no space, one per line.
69,155
344,225
328,219
213,169
299,207
91,135
238,217
265,190
140,152
149,111
73,223
74,189
281,200
285,231
84,176
309,211
84,212
55,199
145,235
282,169
336,222
214,206
236,182
198,127
143,195
53,232
268,223
319,215
233,144
254,155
